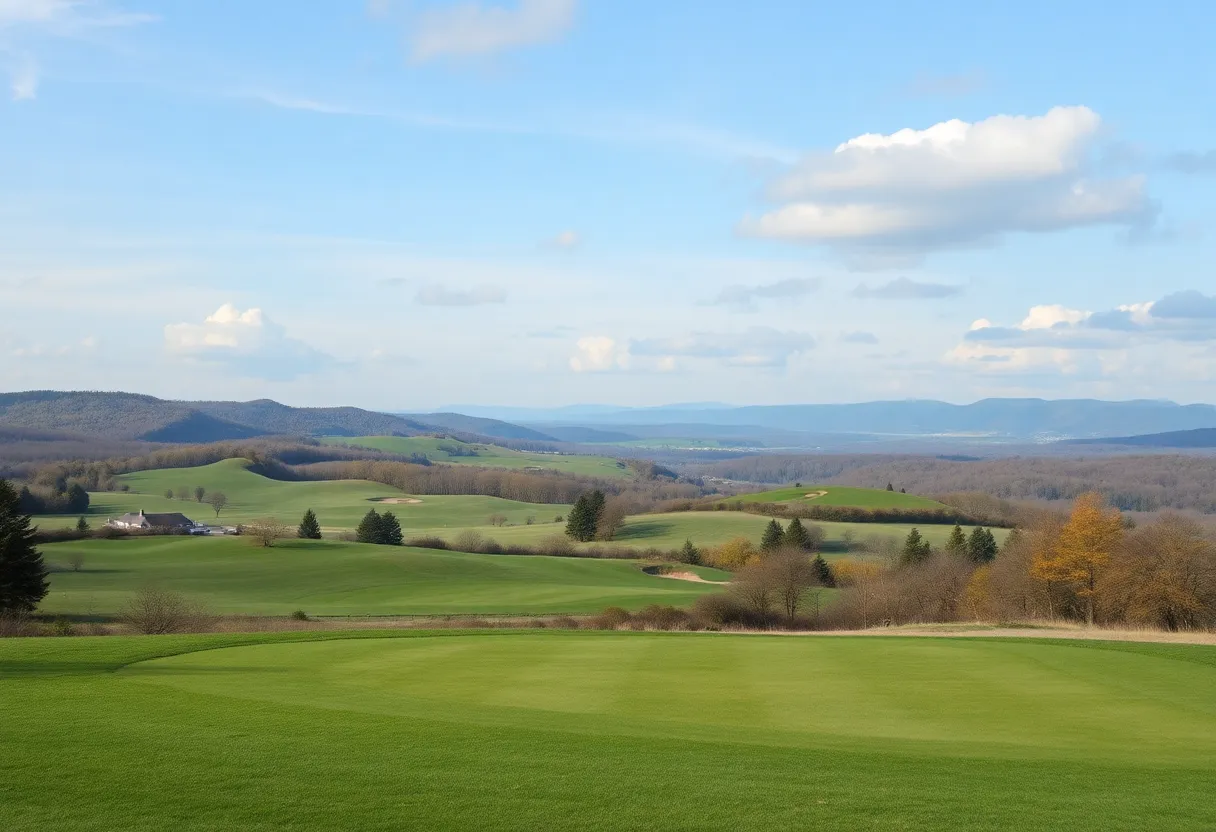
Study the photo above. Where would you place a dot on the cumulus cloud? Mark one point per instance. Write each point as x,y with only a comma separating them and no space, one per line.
248,342
470,29
599,354
437,295
1055,333
903,288
744,298
953,184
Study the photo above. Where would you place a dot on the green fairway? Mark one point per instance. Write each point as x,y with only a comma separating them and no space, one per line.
232,575
523,731
840,495
338,503
710,528
488,456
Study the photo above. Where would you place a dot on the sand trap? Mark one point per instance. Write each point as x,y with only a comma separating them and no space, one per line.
812,495
398,501
679,576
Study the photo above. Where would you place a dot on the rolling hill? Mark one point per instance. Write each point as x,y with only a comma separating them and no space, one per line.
839,495
1179,439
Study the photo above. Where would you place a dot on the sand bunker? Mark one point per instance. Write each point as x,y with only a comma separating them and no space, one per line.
658,572
812,495
398,501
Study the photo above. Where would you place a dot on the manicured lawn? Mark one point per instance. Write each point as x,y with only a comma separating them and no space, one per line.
840,495
526,731
708,528
488,456
339,504
232,575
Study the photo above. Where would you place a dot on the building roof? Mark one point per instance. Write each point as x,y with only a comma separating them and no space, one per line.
168,520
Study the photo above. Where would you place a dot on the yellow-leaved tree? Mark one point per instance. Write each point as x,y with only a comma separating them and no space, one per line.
1081,550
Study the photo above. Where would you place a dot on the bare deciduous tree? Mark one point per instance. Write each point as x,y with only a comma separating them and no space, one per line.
267,530
217,500
155,611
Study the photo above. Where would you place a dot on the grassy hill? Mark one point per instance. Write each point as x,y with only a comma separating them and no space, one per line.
339,504
488,456
604,732
840,495
233,575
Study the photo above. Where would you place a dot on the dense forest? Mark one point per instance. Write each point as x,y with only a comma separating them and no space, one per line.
1131,483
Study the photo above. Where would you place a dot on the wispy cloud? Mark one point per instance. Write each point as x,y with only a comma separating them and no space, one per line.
903,288
436,295
471,29
744,298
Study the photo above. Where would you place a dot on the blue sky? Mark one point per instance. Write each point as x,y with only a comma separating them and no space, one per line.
538,202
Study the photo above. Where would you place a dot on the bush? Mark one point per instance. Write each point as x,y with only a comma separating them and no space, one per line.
564,622
722,611
299,615
427,542
468,541
658,617
156,611
556,546
62,627
612,618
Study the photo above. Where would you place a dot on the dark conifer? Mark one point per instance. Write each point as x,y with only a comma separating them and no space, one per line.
797,536
369,528
956,543
823,572
981,546
916,548
773,536
310,529
390,530
23,581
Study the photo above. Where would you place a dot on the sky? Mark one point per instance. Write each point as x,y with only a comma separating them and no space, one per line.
405,205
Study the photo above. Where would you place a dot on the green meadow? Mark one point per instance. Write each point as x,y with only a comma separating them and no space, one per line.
603,732
329,577
487,456
339,504
840,495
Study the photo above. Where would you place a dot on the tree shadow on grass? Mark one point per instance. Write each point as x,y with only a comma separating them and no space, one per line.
644,530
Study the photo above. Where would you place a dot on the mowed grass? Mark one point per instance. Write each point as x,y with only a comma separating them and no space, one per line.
840,495
487,456
605,732
232,575
339,504
711,528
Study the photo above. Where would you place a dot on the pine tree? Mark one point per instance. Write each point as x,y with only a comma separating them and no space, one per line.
23,581
823,572
796,535
981,546
690,554
369,528
956,543
890,487
773,536
310,529
82,525
916,548
390,530
576,520
595,510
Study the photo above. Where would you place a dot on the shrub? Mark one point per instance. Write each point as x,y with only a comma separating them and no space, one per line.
427,542
556,546
659,617
62,627
299,615
612,618
722,610
156,611
468,541
564,622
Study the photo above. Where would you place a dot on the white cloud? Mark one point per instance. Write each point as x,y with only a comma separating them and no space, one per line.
470,29
599,354
744,298
437,295
24,82
248,342
952,184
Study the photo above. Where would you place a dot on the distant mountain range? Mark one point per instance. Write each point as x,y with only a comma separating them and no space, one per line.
1198,438
1020,419
132,416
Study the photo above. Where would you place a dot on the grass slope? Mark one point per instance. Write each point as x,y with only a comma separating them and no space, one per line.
487,456
604,732
339,504
839,495
232,575
708,528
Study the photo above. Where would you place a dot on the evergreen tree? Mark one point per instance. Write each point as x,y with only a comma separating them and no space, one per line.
823,572
78,499
595,508
1012,539
981,546
390,530
956,543
82,525
890,487
773,536
916,548
369,528
23,581
576,520
310,529
796,535
690,554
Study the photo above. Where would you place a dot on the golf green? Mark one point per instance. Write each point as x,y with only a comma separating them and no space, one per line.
506,731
